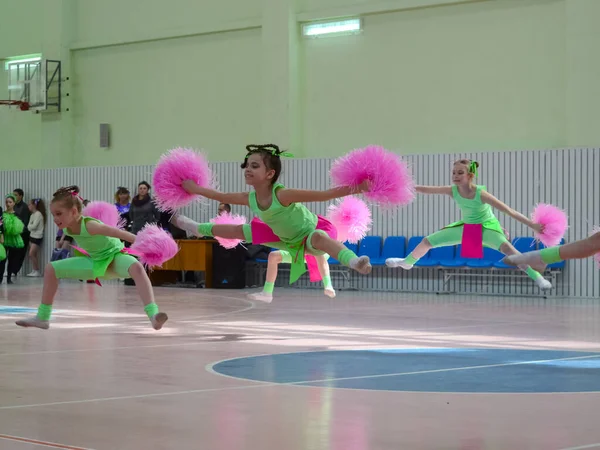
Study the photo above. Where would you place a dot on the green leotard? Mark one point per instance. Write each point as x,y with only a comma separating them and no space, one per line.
294,225
103,251
473,211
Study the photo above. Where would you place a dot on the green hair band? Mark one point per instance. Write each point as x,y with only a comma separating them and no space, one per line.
473,168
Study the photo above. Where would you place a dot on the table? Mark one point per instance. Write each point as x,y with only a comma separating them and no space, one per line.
194,255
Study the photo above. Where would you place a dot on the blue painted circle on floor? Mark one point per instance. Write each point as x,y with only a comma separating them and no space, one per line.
16,310
426,370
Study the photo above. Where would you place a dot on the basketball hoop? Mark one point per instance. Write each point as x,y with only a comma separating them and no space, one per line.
23,106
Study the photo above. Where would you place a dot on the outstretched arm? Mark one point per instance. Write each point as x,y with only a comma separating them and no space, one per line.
233,198
289,196
488,198
444,190
98,228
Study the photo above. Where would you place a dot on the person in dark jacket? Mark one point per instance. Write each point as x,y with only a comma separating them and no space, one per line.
143,210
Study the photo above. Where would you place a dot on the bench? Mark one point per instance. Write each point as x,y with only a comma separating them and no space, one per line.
446,259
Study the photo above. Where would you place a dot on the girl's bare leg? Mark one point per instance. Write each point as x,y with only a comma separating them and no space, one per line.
325,275
583,248
266,295
42,319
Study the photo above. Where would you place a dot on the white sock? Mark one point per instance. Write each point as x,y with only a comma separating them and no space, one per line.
187,224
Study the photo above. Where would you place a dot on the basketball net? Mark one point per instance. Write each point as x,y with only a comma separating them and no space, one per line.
23,106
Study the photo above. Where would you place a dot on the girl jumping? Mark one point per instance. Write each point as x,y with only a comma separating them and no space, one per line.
475,204
106,258
282,222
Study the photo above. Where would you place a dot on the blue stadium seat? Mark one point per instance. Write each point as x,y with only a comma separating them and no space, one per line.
490,256
455,261
370,246
436,255
393,247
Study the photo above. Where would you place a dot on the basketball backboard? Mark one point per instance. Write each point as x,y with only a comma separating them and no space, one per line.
35,81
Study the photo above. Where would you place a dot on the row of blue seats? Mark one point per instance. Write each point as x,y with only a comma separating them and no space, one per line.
396,247
378,250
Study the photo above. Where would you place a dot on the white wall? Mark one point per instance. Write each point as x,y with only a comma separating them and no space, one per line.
424,76
471,77
199,91
117,21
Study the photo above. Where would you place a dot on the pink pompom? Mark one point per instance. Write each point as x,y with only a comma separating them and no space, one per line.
154,246
228,219
555,223
173,168
105,212
390,179
352,219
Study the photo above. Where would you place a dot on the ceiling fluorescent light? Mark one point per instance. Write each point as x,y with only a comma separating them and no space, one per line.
349,26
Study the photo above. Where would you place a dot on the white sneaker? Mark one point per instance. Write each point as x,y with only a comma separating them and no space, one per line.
186,224
34,322
35,273
158,320
261,297
329,293
543,284
398,262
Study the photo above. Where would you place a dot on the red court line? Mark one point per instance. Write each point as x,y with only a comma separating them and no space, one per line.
44,443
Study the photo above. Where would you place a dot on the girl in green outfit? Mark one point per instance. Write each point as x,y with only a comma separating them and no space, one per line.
475,204
106,258
281,221
11,239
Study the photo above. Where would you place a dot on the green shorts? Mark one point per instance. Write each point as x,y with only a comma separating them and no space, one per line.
82,267
453,236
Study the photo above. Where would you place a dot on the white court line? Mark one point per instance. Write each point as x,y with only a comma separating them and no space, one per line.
455,369
583,447
8,437
259,384
133,397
